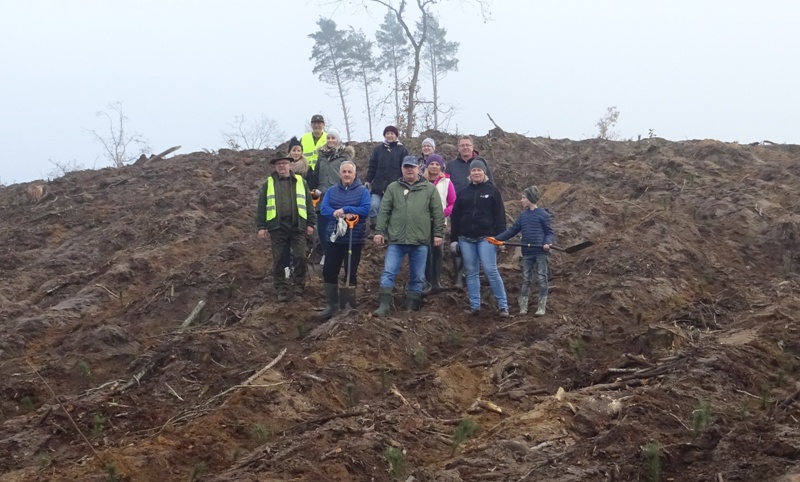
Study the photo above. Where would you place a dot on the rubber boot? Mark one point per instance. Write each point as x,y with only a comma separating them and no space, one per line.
461,277
385,302
331,301
413,301
542,305
523,305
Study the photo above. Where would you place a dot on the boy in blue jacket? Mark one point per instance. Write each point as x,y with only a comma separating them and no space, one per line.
537,236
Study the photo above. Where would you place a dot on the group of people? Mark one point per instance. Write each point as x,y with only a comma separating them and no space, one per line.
408,204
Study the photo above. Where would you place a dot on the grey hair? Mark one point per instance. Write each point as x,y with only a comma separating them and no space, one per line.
355,169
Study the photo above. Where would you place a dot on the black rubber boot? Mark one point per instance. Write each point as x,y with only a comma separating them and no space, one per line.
331,301
413,301
436,272
385,302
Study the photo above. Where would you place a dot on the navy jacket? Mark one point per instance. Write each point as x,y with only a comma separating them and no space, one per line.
353,199
536,231
478,212
384,166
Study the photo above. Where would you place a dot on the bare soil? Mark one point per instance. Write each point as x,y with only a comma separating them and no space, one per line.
669,351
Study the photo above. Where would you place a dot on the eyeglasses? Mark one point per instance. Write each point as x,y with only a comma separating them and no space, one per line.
465,145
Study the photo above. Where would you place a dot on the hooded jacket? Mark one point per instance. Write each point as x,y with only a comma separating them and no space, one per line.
408,211
384,165
329,160
478,212
459,171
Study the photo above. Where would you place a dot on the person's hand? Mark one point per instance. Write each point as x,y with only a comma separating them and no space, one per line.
309,230
378,240
338,213
368,186
546,247
349,216
317,192
437,241
454,247
262,234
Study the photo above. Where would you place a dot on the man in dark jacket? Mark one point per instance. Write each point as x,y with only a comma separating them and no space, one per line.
286,217
384,168
410,210
459,168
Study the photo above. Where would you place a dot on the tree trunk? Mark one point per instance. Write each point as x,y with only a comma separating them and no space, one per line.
340,87
435,82
396,92
366,98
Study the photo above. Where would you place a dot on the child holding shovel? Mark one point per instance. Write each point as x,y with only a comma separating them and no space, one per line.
346,200
537,236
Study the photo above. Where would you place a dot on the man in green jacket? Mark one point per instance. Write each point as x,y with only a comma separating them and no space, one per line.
410,208
287,218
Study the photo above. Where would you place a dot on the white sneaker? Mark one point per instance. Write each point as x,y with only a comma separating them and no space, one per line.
288,272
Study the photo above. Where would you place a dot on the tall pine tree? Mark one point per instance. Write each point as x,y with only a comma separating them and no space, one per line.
333,61
439,58
394,58
365,71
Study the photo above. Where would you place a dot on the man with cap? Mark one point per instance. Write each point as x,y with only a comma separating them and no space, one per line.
537,236
410,210
311,141
384,168
286,217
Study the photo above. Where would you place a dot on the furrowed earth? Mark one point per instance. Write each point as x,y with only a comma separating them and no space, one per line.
669,350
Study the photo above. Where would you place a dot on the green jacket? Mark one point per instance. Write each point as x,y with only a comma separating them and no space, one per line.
409,211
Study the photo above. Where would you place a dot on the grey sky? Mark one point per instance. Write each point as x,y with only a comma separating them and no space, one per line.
183,69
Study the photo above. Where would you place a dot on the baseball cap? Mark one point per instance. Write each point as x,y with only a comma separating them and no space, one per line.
317,118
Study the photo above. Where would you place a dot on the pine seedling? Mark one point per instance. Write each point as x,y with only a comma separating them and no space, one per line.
84,369
98,424
652,459
420,356
260,434
578,348
197,471
465,429
700,417
397,461
350,393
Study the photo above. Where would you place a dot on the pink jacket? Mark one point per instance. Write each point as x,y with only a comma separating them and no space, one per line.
447,192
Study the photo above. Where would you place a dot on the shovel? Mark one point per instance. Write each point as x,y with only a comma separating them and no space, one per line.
347,295
572,249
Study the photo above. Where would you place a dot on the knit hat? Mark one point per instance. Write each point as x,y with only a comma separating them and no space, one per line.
391,129
478,163
334,133
532,193
410,161
437,159
430,141
293,142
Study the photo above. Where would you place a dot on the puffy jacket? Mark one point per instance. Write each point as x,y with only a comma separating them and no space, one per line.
408,211
384,165
478,212
536,230
459,171
352,199
327,170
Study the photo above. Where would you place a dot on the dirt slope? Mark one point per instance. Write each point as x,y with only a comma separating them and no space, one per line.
677,333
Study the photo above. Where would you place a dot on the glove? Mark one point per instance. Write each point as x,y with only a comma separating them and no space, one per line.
454,248
368,186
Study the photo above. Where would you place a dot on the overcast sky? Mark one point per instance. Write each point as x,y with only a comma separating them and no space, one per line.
183,69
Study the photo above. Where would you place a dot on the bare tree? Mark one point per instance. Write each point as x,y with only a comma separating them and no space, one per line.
394,58
364,71
439,59
62,168
606,123
257,134
118,144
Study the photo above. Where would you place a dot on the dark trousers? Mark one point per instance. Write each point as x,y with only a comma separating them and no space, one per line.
336,257
433,268
295,239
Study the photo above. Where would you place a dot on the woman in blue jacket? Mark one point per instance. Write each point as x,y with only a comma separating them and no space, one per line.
345,200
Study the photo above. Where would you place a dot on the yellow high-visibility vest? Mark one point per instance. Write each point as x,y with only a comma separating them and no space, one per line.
300,194
310,148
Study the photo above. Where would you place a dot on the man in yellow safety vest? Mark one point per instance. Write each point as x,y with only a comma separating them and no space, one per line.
311,141
286,217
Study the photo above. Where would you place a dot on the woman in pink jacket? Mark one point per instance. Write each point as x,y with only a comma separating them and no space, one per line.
435,174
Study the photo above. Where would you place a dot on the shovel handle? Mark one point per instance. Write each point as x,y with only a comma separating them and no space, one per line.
352,222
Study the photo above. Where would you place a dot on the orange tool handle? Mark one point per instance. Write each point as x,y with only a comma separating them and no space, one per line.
495,242
352,222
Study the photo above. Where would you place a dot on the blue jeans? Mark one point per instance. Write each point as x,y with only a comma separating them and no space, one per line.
417,257
374,207
537,264
482,254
